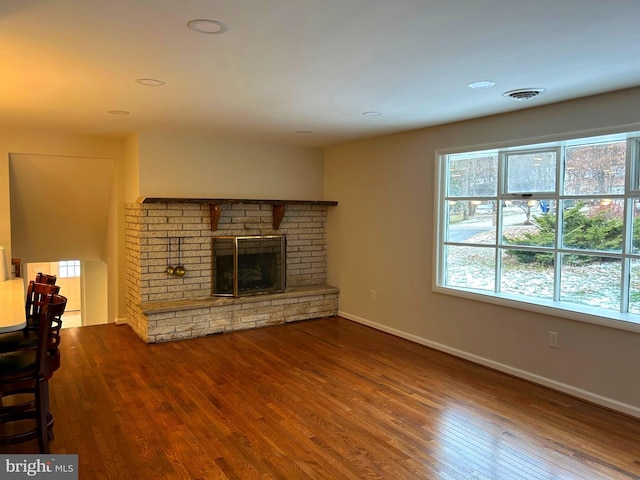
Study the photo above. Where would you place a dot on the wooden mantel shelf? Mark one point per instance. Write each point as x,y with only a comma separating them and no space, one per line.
229,201
215,205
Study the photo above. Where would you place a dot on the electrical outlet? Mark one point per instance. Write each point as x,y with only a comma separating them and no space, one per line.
553,339
372,294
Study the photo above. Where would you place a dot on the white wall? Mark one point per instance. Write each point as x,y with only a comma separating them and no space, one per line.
62,194
132,168
94,301
381,237
190,166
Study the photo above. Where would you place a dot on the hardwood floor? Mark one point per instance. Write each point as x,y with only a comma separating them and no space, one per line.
321,399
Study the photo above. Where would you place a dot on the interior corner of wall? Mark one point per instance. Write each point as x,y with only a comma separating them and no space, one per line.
132,167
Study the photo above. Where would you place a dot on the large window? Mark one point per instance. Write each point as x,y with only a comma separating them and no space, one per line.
554,226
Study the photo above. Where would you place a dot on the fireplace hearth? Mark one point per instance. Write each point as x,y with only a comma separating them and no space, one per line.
248,265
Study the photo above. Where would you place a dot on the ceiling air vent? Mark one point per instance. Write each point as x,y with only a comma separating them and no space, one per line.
524,94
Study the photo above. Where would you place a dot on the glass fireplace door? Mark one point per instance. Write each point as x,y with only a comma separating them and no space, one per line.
248,265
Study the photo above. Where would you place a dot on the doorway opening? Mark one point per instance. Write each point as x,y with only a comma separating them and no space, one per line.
69,279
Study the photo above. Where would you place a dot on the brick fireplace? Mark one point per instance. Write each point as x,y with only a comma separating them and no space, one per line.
163,307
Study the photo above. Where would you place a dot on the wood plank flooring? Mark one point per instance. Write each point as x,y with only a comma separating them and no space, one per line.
321,399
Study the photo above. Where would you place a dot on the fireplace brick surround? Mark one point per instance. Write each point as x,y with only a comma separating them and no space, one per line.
163,307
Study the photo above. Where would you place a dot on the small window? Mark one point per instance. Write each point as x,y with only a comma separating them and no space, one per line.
595,169
529,172
473,175
69,268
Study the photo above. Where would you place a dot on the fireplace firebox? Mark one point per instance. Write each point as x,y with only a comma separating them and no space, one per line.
249,265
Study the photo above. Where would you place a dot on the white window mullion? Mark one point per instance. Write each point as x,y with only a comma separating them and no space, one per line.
631,184
440,250
624,288
557,257
502,169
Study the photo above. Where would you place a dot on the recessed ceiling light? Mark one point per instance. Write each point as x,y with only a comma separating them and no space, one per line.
481,84
371,114
150,82
118,112
210,27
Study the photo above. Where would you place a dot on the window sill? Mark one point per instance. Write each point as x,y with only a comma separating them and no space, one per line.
579,313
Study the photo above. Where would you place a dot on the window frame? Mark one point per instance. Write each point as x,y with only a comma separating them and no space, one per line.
69,266
584,313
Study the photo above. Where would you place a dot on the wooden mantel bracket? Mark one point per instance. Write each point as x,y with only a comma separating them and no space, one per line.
278,214
215,210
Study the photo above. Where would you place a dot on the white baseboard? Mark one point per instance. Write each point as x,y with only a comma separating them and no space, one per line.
121,321
516,372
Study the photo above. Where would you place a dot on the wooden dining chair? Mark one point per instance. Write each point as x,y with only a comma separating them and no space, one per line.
46,278
27,372
36,292
28,336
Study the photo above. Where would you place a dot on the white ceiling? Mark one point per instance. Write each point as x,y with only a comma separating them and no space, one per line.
303,65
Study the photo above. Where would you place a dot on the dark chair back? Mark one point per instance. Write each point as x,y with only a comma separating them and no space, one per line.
36,294
46,278
49,325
